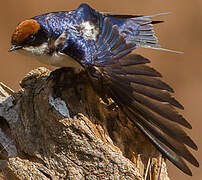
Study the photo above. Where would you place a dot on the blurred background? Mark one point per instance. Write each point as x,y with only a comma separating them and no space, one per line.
181,31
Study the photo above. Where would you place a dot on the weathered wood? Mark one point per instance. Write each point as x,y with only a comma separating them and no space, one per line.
56,127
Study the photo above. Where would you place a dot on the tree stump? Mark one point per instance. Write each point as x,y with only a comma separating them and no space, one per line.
70,133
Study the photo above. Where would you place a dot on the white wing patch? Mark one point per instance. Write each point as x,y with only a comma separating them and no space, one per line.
88,30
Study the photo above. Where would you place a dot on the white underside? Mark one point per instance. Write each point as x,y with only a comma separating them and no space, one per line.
56,59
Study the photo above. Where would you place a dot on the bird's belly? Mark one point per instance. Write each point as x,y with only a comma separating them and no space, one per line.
59,60
56,59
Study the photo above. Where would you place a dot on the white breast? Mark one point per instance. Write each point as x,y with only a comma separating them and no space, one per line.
55,59
59,60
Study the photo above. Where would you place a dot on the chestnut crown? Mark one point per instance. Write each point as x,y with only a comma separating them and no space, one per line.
25,31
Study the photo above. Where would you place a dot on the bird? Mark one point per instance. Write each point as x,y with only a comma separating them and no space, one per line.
101,44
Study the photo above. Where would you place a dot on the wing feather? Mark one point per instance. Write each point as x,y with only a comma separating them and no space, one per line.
146,101
137,88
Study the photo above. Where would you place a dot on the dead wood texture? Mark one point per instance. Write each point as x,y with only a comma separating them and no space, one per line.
69,133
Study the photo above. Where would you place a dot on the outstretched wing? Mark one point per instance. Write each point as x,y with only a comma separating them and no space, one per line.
141,95
145,99
134,86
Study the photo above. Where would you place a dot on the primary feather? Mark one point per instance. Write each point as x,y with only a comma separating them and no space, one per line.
101,44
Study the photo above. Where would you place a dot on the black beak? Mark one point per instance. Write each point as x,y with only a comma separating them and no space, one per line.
14,47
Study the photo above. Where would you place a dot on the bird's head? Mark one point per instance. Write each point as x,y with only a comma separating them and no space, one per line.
28,36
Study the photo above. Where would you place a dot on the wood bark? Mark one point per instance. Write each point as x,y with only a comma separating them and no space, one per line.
56,127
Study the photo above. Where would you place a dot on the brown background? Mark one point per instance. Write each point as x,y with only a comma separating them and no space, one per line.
181,31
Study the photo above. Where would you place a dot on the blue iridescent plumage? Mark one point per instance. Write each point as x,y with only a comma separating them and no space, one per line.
101,44
58,22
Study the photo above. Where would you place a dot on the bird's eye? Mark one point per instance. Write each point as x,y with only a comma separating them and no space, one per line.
32,37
